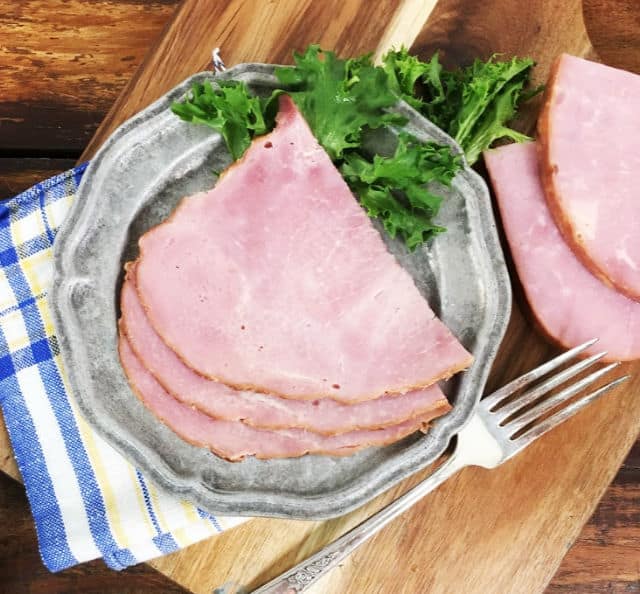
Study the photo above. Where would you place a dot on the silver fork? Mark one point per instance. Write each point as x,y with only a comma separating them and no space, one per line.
498,430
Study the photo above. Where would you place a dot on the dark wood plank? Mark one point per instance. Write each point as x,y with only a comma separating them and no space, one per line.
22,572
46,128
613,29
246,32
17,175
606,556
63,63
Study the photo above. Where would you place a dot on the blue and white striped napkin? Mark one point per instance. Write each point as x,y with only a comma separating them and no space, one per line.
87,500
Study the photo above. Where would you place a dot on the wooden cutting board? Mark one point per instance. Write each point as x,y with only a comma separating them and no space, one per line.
500,531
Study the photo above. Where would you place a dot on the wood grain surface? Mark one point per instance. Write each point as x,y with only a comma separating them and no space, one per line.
63,62
19,174
513,525
606,556
22,571
603,559
614,31
247,32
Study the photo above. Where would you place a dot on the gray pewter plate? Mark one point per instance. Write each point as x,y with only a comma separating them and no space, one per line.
133,183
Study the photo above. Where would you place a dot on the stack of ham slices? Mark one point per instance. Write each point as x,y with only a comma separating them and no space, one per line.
266,317
570,207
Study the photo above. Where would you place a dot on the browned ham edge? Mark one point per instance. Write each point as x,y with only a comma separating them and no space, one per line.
462,365
218,400
267,318
234,441
388,340
549,169
569,303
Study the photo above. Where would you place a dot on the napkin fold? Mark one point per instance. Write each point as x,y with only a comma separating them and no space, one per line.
87,500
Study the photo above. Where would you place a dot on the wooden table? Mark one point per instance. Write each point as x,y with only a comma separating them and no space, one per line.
62,65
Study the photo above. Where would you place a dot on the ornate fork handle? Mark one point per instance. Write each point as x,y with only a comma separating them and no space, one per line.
306,573
311,569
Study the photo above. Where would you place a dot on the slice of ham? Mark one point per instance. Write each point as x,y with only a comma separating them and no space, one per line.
276,281
234,441
570,304
263,410
590,162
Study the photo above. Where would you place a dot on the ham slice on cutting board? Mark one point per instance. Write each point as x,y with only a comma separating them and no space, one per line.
569,302
263,410
234,441
276,281
589,131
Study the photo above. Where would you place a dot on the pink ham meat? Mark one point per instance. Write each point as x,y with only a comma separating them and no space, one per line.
276,281
263,410
570,304
590,162
234,441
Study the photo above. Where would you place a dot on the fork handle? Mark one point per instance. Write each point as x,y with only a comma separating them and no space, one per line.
309,571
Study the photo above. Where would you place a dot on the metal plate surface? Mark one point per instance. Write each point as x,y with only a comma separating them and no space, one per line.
133,183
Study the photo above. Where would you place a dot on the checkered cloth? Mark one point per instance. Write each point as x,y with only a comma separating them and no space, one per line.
87,500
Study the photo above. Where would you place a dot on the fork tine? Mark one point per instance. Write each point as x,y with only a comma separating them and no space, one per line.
524,380
534,393
549,403
562,415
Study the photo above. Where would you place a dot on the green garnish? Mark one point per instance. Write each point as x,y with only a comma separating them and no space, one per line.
408,171
343,99
229,109
339,98
471,104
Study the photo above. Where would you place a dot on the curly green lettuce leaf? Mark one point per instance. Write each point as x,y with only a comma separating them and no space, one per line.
490,126
414,227
230,109
472,104
339,98
405,71
396,189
